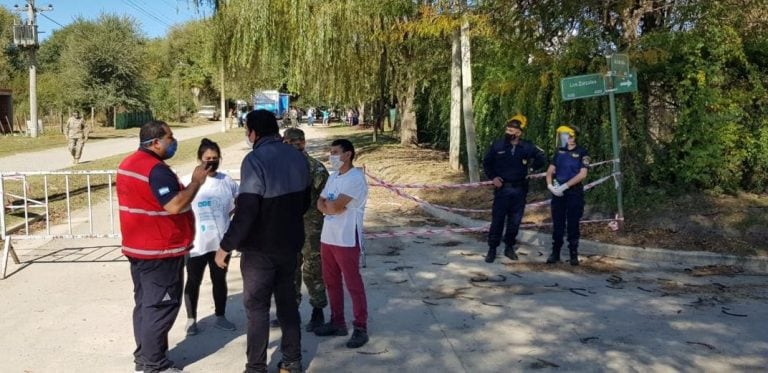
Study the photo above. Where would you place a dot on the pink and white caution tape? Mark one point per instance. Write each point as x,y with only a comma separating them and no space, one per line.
422,232
463,185
433,186
529,206
541,175
418,200
534,205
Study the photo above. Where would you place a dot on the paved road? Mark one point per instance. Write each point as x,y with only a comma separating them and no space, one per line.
434,304
58,158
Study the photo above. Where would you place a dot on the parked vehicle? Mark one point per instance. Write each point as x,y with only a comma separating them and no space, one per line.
273,101
209,112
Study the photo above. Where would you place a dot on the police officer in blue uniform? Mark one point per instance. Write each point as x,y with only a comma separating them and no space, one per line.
507,164
564,179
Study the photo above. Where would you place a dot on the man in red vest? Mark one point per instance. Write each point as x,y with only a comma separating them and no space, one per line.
157,226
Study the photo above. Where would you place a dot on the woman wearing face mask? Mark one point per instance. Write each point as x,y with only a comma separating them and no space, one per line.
564,176
212,207
507,163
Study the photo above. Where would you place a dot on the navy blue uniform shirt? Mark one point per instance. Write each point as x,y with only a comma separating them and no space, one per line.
511,162
568,163
162,180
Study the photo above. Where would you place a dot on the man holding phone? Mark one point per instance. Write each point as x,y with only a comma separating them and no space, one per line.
157,226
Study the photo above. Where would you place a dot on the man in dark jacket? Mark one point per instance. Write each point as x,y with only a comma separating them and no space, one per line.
507,163
268,229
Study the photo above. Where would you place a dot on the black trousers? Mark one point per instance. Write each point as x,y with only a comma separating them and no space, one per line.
509,206
262,275
157,288
195,270
567,211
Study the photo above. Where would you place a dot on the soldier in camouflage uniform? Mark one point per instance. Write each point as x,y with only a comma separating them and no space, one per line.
309,258
77,135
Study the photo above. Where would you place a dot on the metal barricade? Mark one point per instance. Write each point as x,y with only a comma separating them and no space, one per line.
36,206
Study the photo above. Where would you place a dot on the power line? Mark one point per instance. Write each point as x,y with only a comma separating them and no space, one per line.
52,20
171,5
150,13
145,12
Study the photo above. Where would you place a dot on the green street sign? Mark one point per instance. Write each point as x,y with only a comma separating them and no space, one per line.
619,64
582,86
626,83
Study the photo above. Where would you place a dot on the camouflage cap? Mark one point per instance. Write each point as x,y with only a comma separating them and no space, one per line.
293,134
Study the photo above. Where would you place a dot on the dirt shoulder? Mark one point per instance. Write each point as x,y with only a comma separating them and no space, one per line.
729,224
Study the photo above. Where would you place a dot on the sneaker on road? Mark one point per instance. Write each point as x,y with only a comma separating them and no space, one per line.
358,339
166,370
173,370
293,367
329,329
223,324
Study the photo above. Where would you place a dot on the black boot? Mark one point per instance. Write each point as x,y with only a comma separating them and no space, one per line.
574,257
509,252
491,256
317,320
554,257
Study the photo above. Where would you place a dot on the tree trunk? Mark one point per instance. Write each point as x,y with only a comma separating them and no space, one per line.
380,105
454,149
195,96
361,113
408,129
467,106
223,107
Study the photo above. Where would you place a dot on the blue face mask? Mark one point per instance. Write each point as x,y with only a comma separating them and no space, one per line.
171,149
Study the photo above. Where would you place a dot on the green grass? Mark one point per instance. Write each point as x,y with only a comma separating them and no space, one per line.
362,139
11,145
187,153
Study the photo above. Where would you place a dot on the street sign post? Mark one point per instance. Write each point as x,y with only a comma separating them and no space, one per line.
626,83
619,64
619,79
582,86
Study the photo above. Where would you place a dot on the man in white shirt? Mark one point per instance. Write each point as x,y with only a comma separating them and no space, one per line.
342,201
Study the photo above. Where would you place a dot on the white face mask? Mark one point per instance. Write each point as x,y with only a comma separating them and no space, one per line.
564,139
335,161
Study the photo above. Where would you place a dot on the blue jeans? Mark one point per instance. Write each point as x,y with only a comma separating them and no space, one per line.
509,204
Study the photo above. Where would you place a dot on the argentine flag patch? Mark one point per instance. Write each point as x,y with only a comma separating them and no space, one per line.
164,190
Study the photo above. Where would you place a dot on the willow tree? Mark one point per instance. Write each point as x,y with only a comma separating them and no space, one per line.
316,48
337,52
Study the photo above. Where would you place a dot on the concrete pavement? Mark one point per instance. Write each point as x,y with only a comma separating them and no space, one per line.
434,306
654,256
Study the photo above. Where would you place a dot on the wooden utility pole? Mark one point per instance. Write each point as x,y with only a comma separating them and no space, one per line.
454,149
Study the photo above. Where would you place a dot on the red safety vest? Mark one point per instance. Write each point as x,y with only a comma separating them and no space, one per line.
149,232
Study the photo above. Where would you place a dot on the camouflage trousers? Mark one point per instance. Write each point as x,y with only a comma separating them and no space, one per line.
75,147
310,268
